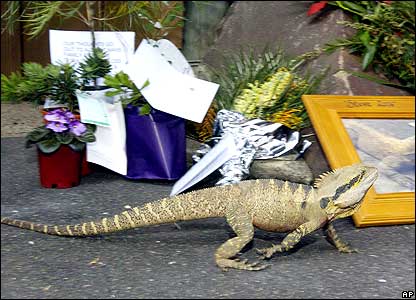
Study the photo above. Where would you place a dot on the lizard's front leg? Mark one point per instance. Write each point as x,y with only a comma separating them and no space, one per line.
289,241
241,222
333,238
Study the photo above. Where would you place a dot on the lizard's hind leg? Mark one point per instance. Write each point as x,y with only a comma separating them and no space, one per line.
241,222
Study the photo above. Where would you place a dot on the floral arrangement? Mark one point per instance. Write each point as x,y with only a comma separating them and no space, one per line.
61,128
267,85
276,99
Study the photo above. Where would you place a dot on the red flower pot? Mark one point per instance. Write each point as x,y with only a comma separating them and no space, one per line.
85,165
60,169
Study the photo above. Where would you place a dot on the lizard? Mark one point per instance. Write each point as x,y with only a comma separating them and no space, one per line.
268,204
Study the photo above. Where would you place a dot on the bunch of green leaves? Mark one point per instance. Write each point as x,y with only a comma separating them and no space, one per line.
36,16
242,68
153,19
94,66
37,83
157,19
63,86
384,38
247,70
129,93
49,141
33,84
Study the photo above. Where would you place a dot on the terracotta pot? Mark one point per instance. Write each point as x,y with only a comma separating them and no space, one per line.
85,165
60,169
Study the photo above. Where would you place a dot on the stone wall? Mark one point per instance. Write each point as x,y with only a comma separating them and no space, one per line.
256,24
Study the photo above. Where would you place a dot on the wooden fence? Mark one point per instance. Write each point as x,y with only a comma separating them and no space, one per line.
17,48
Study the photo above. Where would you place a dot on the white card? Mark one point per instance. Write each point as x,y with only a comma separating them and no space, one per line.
92,108
169,90
73,46
109,149
173,56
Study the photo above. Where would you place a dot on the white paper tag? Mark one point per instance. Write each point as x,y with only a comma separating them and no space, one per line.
92,109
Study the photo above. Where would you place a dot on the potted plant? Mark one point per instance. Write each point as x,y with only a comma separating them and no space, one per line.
60,143
38,84
155,141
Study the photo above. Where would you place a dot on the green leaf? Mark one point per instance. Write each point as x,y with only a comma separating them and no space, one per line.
375,79
368,56
37,134
146,84
113,93
145,110
87,137
77,145
64,138
49,145
91,127
365,38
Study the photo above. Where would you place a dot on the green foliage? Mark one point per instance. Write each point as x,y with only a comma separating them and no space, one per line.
63,86
33,85
57,82
130,93
154,19
265,85
240,69
94,66
157,19
384,38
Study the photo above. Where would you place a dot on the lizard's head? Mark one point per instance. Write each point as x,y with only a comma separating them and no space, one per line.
341,191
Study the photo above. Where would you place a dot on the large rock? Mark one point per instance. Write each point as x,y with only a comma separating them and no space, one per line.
283,168
255,24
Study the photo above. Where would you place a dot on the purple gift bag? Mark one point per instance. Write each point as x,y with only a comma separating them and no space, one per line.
155,145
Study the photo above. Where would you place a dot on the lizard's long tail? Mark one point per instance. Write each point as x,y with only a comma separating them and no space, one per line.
184,207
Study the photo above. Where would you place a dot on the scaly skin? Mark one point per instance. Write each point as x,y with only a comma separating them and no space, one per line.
268,204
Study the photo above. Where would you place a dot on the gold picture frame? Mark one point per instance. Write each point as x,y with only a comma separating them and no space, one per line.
326,112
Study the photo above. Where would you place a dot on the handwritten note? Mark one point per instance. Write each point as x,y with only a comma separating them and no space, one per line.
73,46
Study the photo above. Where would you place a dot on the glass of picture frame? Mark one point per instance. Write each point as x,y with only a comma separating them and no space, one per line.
379,131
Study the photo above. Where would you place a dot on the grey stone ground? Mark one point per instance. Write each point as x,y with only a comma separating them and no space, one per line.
164,262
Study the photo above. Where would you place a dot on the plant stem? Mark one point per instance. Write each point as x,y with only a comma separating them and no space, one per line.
91,25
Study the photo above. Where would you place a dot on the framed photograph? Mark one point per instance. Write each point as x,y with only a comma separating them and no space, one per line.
378,131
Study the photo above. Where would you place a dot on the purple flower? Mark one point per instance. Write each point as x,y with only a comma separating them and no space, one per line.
57,126
57,115
77,128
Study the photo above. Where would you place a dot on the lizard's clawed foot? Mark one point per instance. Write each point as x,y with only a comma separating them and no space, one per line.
225,264
265,253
